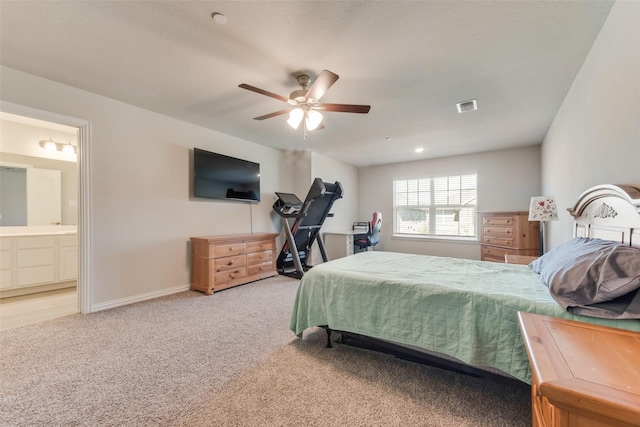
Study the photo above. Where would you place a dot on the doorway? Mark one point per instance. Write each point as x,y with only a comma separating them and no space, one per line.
83,177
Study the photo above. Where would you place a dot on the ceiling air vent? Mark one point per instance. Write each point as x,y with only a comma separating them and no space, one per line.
465,106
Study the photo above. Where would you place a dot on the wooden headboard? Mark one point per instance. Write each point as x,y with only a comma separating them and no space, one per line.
609,212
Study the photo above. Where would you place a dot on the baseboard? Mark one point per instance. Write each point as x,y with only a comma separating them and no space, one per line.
138,298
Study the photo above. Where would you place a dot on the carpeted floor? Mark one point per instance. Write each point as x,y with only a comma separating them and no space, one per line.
227,360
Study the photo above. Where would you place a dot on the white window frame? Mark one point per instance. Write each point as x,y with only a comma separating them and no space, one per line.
425,198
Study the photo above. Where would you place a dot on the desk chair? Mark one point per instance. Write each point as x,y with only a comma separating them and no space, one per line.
369,239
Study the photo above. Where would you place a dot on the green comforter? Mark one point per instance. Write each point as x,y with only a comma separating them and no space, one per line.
465,309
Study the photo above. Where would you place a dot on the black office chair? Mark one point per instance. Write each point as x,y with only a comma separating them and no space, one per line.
369,239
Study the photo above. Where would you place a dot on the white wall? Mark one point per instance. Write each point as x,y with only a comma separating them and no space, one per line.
345,210
595,137
507,179
141,212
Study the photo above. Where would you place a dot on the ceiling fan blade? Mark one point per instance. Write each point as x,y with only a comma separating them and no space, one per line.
344,108
325,80
268,116
263,92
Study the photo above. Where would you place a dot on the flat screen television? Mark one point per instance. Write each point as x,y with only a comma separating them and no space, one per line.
216,176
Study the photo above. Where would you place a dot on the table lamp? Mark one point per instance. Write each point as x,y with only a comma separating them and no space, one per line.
543,209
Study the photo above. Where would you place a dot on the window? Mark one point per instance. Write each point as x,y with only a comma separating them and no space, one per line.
443,206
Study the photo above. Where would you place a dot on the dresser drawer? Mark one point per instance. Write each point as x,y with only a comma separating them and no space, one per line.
498,231
229,263
259,257
229,249
260,245
499,241
227,276
492,253
265,267
498,220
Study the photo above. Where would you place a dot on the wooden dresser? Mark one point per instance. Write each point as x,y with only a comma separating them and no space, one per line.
220,262
583,375
504,233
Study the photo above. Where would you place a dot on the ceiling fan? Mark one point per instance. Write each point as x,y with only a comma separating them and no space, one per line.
306,102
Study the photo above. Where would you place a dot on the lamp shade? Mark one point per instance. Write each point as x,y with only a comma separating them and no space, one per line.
50,146
295,117
313,119
68,149
543,208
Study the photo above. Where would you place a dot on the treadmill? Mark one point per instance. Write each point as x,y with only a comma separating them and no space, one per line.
308,217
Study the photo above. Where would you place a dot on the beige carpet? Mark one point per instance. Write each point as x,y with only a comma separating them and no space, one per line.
306,384
227,360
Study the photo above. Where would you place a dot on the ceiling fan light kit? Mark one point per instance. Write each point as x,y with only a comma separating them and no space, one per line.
306,102
295,117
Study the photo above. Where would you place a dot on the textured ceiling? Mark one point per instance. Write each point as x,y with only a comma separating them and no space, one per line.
411,61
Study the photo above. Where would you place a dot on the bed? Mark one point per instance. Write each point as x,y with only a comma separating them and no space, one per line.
466,310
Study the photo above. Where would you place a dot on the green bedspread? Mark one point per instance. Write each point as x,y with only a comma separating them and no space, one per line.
465,309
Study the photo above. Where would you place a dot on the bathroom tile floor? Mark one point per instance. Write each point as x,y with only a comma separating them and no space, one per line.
29,309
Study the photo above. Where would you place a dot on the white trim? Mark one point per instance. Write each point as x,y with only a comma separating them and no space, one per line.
84,219
139,298
84,190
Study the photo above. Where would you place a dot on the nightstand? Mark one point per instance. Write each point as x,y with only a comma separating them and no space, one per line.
582,374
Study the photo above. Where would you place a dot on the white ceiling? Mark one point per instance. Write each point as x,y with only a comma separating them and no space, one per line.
411,61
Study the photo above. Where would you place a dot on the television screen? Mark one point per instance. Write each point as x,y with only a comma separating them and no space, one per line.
216,176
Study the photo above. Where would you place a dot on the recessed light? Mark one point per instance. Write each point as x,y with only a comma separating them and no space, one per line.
219,18
419,150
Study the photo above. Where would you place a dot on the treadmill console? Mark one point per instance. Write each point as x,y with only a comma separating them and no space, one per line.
287,204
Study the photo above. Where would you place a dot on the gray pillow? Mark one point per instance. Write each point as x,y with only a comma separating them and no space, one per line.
589,271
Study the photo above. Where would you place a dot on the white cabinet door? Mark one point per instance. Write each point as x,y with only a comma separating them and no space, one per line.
68,257
44,197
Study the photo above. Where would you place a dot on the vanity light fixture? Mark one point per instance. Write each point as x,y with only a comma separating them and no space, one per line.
68,148
50,145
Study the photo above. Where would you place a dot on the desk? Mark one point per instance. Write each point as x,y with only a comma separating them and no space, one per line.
339,244
582,375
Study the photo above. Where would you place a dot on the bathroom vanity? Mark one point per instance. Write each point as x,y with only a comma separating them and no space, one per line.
35,259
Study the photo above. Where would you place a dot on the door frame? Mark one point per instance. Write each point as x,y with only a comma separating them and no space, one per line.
84,191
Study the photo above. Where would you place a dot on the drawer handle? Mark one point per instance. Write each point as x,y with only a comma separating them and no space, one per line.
230,262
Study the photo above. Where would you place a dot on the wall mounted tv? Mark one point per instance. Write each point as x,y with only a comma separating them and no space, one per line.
216,176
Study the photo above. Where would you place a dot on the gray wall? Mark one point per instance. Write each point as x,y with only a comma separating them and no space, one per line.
595,137
507,179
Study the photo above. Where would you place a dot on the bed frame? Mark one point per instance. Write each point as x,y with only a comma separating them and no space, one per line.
608,212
